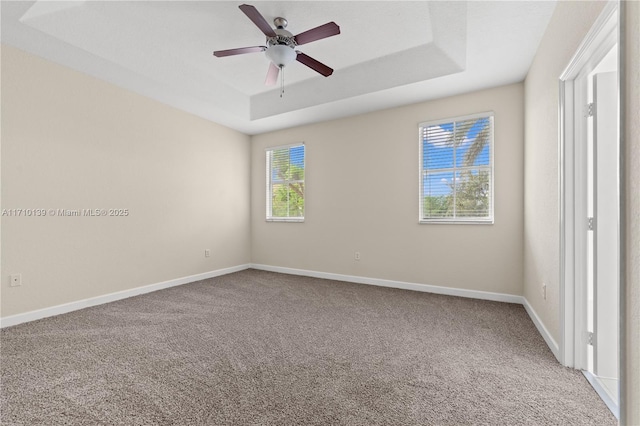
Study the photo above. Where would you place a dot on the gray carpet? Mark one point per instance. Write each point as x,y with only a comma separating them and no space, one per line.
259,348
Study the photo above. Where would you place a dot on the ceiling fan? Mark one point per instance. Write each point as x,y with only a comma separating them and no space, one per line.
281,44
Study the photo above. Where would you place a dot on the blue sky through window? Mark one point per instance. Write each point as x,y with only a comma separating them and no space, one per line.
285,157
438,152
297,155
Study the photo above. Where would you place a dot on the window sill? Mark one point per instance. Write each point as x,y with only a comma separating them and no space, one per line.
285,219
456,222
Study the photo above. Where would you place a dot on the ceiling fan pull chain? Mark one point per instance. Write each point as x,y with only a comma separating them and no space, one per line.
281,80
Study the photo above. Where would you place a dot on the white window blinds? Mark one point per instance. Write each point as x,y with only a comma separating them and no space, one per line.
285,183
456,170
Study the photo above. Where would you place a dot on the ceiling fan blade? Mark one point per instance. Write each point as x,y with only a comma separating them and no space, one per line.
239,51
317,33
255,16
272,75
314,65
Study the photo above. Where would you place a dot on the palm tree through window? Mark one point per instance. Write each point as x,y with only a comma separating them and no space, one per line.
457,170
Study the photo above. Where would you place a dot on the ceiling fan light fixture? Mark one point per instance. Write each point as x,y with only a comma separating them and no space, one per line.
281,55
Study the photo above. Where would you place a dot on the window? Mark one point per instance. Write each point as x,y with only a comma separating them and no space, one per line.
285,183
456,170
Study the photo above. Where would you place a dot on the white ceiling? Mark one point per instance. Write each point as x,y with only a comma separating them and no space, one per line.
389,53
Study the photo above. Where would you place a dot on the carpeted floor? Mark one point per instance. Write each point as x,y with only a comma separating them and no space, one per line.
259,348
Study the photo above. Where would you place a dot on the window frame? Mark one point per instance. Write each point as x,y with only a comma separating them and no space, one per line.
489,220
269,183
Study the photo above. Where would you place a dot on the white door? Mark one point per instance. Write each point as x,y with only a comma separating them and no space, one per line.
590,189
604,232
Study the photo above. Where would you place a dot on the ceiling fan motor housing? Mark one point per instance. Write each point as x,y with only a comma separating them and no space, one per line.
283,37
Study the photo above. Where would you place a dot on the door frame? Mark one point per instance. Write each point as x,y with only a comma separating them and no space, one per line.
603,35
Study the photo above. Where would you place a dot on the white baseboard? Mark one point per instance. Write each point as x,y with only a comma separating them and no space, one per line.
449,291
555,349
112,297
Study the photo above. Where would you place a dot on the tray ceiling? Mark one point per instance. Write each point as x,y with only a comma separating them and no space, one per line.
389,53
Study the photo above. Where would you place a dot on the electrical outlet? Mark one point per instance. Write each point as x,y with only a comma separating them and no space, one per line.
544,291
16,280
356,255
207,253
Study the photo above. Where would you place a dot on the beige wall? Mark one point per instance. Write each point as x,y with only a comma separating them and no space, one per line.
362,195
632,137
70,141
569,24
